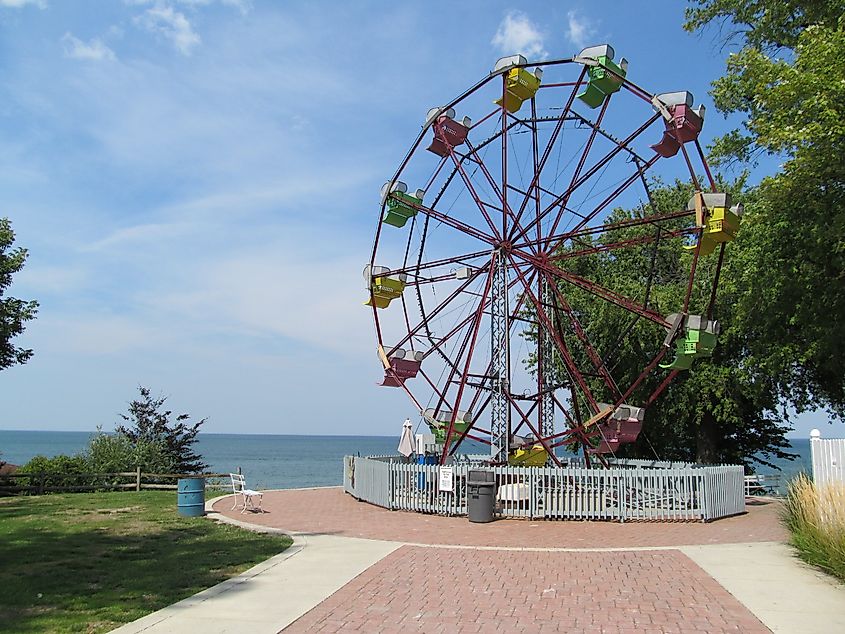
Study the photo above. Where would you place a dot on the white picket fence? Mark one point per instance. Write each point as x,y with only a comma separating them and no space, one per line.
828,457
624,492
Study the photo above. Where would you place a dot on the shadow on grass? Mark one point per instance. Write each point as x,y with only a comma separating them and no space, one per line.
84,576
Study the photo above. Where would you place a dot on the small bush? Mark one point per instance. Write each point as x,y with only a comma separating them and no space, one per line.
114,453
816,518
64,471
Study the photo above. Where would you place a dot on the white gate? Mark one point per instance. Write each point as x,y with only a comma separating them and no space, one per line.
828,455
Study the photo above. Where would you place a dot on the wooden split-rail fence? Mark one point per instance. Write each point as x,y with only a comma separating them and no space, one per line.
40,483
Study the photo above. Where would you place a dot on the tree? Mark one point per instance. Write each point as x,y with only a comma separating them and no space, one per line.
150,426
786,83
14,313
721,410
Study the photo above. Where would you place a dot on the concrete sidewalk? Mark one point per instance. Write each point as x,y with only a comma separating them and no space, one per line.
271,595
783,592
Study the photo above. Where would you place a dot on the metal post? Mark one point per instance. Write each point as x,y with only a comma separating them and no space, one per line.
500,423
545,365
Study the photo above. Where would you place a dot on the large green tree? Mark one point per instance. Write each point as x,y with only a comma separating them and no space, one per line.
14,313
786,83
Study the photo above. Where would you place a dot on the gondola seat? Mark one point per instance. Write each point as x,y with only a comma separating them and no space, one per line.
604,78
698,341
521,84
383,289
439,423
404,364
683,124
448,133
399,205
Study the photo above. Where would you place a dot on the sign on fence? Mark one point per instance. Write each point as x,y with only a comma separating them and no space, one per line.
447,479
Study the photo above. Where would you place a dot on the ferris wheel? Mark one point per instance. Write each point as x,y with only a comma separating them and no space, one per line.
483,249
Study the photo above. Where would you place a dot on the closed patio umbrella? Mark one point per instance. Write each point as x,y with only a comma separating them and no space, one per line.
406,442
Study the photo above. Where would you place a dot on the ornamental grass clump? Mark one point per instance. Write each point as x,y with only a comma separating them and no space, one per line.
815,515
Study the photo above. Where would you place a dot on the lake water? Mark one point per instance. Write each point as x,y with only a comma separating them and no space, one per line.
280,461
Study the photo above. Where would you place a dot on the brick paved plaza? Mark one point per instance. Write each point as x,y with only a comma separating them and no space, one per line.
454,576
467,590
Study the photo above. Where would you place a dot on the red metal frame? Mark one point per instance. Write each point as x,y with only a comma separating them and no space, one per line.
448,324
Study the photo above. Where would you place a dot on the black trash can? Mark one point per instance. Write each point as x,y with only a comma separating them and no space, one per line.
481,496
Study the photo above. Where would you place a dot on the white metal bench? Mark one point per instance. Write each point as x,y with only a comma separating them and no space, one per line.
248,497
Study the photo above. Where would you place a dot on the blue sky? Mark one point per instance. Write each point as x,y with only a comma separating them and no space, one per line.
197,182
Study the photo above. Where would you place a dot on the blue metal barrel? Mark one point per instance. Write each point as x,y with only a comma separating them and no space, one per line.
190,493
429,459
420,475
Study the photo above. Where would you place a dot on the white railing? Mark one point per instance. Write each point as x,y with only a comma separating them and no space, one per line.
623,492
828,456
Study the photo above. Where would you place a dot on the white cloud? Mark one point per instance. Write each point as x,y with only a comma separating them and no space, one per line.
51,279
241,5
279,289
93,334
517,34
17,4
173,25
140,234
579,29
93,50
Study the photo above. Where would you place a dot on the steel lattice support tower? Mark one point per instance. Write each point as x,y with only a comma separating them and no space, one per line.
545,364
500,423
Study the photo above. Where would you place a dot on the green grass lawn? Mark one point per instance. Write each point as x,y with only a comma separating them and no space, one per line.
92,561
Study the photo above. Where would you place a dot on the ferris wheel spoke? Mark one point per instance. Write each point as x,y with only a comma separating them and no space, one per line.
663,385
710,178
594,357
435,312
474,320
442,395
584,232
575,429
524,416
453,371
574,373
552,245
462,324
648,370
602,162
475,328
506,209
621,244
464,259
456,224
468,184
541,164
580,166
595,289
